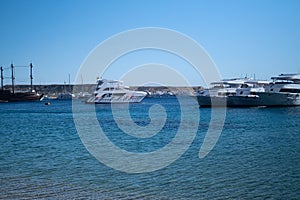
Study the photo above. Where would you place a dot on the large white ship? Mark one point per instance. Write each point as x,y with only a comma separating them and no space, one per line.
221,91
113,91
284,90
247,94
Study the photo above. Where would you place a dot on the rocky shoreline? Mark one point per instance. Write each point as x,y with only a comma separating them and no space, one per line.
53,90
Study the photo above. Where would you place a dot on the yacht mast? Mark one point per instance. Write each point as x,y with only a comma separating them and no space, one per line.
12,78
31,77
2,78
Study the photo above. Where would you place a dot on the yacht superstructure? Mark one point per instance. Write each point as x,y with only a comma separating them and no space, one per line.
220,91
113,91
247,94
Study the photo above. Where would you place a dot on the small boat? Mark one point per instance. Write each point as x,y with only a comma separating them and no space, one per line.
113,91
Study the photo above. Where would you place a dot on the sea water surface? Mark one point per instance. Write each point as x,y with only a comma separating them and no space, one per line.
42,156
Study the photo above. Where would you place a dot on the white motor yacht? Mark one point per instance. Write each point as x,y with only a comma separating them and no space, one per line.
220,91
113,91
247,94
284,90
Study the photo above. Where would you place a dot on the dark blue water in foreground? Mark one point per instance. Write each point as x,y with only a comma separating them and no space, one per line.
42,156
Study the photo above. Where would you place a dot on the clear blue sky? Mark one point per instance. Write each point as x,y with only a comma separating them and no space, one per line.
241,36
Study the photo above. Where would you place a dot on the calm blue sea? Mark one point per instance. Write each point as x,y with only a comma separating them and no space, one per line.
42,156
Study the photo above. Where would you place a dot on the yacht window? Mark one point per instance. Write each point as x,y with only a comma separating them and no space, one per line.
290,90
222,94
100,82
107,89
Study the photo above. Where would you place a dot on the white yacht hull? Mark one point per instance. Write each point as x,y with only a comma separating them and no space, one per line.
111,91
230,101
261,99
119,98
243,101
206,101
279,99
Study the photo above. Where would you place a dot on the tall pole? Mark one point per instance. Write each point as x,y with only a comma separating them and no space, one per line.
12,78
65,91
69,84
2,78
81,82
31,77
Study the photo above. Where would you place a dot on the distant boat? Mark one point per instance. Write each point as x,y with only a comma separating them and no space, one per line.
83,95
112,91
12,96
65,96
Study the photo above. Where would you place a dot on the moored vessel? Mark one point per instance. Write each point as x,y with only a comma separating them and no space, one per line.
284,90
247,94
220,91
113,91
13,96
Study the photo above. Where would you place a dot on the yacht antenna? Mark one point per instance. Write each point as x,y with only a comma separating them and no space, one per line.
65,91
81,82
69,84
